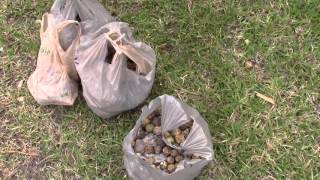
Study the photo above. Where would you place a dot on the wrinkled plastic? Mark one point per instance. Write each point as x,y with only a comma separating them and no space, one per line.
109,87
54,80
90,13
174,113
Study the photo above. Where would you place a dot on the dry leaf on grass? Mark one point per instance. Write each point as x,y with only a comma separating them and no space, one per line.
20,85
20,99
265,98
250,64
190,2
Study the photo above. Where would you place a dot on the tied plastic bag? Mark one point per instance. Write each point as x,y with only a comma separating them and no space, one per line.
173,114
64,10
116,72
89,13
54,80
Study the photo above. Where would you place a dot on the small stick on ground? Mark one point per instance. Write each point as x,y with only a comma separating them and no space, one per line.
265,98
18,152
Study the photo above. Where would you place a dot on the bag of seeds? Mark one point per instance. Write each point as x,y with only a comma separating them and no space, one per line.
54,80
169,141
89,13
116,72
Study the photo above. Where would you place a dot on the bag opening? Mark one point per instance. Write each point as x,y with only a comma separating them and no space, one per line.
110,53
68,35
78,18
131,65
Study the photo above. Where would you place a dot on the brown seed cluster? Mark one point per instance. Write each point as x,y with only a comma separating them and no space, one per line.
149,145
179,135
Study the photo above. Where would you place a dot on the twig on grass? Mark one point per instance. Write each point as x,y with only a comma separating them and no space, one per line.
265,98
18,152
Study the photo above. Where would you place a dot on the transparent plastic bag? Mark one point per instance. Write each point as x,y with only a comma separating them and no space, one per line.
174,113
89,13
116,72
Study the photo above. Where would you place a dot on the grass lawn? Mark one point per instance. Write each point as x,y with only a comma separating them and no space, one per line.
213,54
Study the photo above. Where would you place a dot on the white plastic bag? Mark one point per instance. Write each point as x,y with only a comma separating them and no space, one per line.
64,10
173,114
89,13
54,80
109,86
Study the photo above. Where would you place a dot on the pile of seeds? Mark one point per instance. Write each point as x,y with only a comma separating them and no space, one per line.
148,143
179,135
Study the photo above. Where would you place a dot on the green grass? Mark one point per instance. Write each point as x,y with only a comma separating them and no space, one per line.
201,53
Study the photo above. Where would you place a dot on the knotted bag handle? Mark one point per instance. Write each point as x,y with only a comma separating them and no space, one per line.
133,53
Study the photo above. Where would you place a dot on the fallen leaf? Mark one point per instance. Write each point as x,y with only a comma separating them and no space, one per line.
269,145
255,61
166,47
20,99
250,64
265,98
247,41
20,85
267,178
299,30
38,21
190,2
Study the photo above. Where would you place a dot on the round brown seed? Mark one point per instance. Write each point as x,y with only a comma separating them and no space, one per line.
149,149
139,146
166,151
180,138
170,139
157,130
163,165
178,158
157,149
156,121
146,121
160,142
167,134
149,128
176,131
171,168
174,153
170,159
141,134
